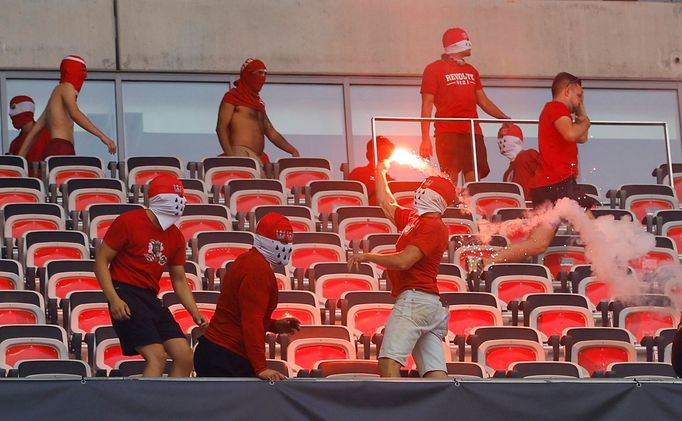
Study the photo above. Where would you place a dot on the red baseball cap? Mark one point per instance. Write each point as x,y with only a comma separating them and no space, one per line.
275,227
510,130
442,186
165,184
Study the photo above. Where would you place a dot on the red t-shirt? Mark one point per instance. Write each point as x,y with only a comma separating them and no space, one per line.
559,157
430,235
37,151
144,250
453,87
248,296
522,170
365,175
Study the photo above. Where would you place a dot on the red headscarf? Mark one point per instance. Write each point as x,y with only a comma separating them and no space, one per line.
248,86
73,71
21,109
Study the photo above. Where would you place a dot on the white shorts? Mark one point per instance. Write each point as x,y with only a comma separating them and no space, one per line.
417,326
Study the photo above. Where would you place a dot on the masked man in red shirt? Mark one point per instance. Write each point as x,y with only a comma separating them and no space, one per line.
21,111
365,174
523,163
454,87
563,125
418,321
234,343
137,248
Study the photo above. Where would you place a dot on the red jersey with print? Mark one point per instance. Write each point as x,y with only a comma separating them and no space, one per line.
365,175
37,151
522,170
428,234
143,249
559,156
453,87
248,296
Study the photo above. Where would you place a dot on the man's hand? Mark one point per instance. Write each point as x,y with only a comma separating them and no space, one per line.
295,153
355,259
271,375
111,145
425,149
200,320
120,310
287,325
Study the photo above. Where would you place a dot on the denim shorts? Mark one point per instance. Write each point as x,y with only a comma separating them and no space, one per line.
417,326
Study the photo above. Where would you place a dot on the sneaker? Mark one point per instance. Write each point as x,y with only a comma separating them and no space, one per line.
474,264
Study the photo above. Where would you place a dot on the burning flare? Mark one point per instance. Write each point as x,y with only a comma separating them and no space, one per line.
409,158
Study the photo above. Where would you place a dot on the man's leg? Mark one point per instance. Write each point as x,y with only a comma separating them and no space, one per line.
155,357
447,154
182,357
389,367
537,242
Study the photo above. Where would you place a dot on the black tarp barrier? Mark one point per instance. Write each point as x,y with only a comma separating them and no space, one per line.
308,399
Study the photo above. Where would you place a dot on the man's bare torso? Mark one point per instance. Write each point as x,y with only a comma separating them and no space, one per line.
247,129
58,120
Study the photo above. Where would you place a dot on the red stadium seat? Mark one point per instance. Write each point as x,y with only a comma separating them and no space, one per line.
197,218
13,166
316,247
62,168
21,190
594,348
487,197
31,342
79,193
498,347
511,281
298,172
21,307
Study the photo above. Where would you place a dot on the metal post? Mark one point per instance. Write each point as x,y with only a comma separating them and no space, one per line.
374,141
668,156
473,151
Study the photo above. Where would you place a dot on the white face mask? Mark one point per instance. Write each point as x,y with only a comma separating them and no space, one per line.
167,208
510,146
275,253
427,200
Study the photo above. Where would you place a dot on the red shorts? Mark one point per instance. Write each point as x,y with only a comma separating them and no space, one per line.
58,146
455,154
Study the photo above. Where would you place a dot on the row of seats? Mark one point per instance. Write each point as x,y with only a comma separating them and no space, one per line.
496,350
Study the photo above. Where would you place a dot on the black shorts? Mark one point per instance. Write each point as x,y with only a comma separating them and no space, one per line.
567,188
149,323
454,153
213,360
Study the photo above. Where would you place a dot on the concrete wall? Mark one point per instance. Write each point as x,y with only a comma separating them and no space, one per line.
514,38
37,34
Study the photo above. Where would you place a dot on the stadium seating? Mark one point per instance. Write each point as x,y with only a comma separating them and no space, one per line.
643,199
451,278
206,303
21,307
594,348
59,278
300,217
13,166
546,370
298,172
486,197
137,171
662,174
195,192
62,168
51,369
11,275
564,252
551,314
365,313
21,190
19,218
195,282
497,347
326,196
403,191
31,342
104,351
217,171
353,223
459,221
79,193
314,247
197,218
512,281
641,370
645,314
242,196
83,312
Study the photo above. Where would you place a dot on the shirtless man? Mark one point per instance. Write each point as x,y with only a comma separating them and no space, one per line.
62,111
242,120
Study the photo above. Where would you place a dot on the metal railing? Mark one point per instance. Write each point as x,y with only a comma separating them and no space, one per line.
472,121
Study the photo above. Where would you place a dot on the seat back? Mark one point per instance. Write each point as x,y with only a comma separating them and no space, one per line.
298,172
60,169
220,170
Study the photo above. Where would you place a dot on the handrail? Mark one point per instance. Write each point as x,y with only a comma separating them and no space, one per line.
472,121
